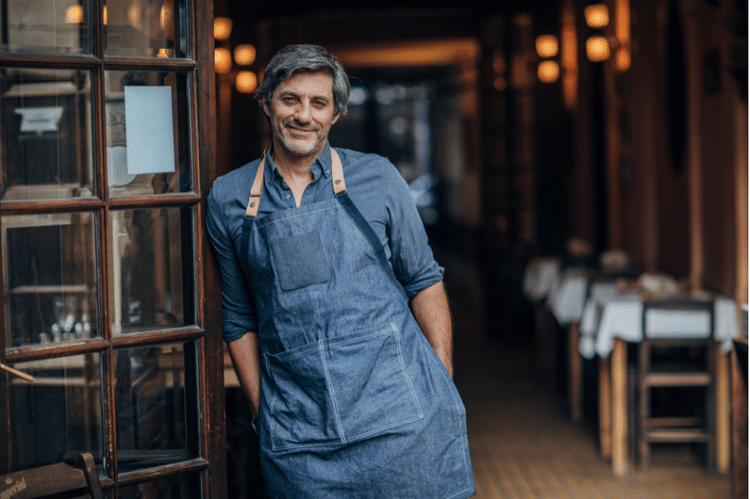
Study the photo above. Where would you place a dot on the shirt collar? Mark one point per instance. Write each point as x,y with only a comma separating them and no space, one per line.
321,166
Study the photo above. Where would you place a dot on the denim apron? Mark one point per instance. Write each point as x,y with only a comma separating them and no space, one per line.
354,402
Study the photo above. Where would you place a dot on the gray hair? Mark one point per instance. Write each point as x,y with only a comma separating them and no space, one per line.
296,59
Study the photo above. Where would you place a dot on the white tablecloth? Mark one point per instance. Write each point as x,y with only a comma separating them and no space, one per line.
567,296
538,276
601,295
622,318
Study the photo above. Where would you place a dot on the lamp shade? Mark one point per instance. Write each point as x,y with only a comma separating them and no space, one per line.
222,60
546,46
246,82
597,15
548,71
222,28
597,49
244,55
74,14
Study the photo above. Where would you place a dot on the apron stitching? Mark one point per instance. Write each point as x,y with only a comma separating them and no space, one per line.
273,400
403,370
291,216
332,390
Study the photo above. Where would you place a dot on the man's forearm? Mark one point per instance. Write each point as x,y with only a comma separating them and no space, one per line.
430,308
245,354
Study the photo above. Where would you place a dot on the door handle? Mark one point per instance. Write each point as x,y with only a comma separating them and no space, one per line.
16,372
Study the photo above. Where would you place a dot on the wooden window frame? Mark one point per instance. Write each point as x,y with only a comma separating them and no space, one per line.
206,332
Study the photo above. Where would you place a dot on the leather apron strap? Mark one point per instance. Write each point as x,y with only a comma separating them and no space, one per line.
256,190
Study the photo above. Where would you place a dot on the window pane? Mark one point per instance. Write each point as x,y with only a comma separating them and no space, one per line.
152,269
57,415
176,487
148,133
49,278
157,406
146,28
46,133
42,26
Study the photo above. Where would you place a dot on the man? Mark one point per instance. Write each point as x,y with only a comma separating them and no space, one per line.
333,307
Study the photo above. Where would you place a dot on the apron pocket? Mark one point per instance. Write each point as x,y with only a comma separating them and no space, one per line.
302,410
300,261
345,389
373,393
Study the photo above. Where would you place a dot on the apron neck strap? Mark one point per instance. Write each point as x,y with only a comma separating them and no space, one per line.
255,191
337,173
253,204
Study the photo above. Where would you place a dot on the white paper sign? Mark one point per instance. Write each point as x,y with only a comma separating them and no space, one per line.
148,129
39,119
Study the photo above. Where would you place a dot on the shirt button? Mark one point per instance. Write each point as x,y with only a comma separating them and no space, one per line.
288,196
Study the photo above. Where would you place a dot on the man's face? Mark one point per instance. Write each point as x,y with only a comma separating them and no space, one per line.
301,114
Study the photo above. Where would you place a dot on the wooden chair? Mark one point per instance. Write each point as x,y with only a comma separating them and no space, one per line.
59,480
671,360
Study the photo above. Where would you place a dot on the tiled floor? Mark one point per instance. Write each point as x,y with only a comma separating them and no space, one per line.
523,445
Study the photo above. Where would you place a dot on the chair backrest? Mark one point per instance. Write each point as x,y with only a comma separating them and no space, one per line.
54,480
678,318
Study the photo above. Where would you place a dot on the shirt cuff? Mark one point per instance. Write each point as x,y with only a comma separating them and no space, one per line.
234,325
413,288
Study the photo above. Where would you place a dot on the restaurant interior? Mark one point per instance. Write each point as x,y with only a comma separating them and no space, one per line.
581,170
580,166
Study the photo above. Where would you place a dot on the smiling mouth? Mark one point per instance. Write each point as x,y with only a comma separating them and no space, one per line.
300,131
295,129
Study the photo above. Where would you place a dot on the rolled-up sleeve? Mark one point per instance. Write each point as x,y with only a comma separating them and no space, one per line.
411,256
238,309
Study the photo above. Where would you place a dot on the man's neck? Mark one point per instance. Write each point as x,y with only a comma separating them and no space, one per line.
296,170
292,166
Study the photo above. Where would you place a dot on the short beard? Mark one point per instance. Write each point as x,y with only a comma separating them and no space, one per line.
291,147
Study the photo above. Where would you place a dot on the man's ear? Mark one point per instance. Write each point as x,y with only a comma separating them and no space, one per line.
335,118
265,109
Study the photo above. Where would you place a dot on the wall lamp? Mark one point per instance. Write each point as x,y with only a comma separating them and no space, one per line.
222,28
244,55
597,18
547,47
598,46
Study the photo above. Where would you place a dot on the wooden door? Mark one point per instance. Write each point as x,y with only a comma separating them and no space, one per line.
107,150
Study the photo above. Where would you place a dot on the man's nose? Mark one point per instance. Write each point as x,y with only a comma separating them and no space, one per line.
304,112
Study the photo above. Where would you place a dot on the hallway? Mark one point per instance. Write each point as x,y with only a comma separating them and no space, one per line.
523,444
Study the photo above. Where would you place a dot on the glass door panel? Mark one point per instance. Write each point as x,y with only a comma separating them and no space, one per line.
156,405
41,26
148,133
49,278
152,271
98,195
146,28
46,133
57,415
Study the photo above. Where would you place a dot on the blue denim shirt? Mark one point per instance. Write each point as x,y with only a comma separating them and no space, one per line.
376,188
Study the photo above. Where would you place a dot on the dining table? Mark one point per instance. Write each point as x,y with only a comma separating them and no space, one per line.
538,277
611,319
